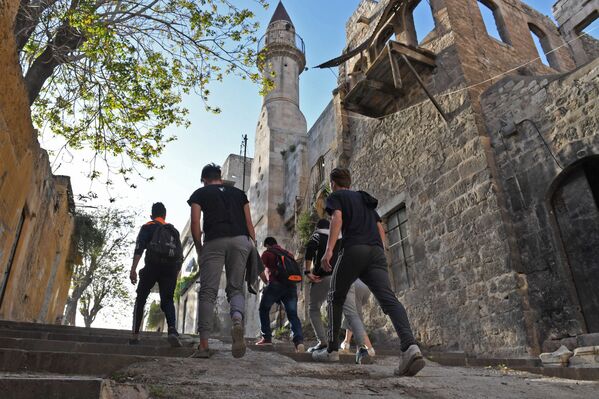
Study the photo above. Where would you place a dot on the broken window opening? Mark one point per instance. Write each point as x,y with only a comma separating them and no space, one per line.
542,44
423,22
402,258
590,26
493,21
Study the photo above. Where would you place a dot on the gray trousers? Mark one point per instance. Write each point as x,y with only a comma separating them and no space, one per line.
232,253
318,295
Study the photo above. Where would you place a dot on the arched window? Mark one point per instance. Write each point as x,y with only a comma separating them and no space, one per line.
424,22
543,46
493,20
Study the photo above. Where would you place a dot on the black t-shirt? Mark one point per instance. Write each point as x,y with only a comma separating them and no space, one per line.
144,237
222,207
359,217
316,248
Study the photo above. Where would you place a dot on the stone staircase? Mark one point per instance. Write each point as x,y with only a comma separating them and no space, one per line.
56,362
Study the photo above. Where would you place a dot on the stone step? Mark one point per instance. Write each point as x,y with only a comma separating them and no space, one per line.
14,325
105,339
88,347
32,386
96,364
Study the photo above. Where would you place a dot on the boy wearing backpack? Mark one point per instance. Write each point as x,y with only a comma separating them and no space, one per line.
163,260
281,276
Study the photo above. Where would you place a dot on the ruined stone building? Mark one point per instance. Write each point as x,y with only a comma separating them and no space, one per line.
36,207
484,158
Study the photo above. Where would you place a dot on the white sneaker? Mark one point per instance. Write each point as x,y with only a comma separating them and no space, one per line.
345,348
371,352
410,362
324,356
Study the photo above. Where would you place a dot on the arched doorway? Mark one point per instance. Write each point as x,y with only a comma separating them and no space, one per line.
575,203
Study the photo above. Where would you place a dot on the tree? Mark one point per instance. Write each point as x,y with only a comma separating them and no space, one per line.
107,289
101,240
155,316
110,75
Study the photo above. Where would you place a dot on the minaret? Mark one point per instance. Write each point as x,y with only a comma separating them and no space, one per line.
281,124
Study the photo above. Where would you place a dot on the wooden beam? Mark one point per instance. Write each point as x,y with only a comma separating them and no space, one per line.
418,55
382,87
395,71
430,96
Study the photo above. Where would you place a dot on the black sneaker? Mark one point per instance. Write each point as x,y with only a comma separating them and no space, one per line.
134,341
173,338
362,356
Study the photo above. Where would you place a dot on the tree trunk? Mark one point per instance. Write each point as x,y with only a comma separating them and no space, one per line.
70,312
66,40
27,19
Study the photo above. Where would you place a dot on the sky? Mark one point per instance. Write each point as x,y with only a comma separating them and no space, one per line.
211,138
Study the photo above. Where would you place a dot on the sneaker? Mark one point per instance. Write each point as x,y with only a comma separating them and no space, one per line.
410,362
237,333
325,356
344,348
371,352
317,347
173,338
264,342
202,353
134,341
300,348
362,356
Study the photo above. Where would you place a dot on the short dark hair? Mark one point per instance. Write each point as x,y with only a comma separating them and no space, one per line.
341,177
211,172
323,224
269,241
158,210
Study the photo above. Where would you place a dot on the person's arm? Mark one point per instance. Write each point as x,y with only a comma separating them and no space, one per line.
263,277
336,223
248,222
196,227
140,246
311,249
379,225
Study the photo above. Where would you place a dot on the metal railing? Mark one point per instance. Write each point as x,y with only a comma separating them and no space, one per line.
281,37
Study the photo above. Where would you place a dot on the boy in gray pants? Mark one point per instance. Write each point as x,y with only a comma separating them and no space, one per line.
320,282
228,240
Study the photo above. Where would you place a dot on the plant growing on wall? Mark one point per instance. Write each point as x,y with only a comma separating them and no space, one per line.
109,76
305,227
183,284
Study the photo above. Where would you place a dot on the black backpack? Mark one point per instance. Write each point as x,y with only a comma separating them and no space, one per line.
165,246
288,270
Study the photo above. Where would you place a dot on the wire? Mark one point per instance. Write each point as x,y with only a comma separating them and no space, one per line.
486,80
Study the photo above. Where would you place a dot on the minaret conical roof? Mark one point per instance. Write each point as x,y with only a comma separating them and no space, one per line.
281,14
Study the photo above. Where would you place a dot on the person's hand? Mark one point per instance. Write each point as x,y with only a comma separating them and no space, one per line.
199,250
313,278
326,261
133,276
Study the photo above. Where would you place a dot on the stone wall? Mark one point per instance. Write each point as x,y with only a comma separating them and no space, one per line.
36,208
464,292
540,130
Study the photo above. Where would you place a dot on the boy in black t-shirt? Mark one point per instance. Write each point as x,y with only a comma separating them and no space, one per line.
228,240
362,256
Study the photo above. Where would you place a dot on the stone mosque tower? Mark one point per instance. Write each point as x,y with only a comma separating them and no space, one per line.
280,126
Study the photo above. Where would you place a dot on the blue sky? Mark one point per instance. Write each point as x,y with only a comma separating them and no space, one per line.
211,138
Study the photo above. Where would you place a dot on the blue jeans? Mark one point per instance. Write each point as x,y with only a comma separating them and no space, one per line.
287,295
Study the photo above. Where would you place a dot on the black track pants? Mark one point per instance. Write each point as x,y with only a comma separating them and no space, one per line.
368,263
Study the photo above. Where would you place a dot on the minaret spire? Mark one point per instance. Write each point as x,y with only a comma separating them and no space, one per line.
281,14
